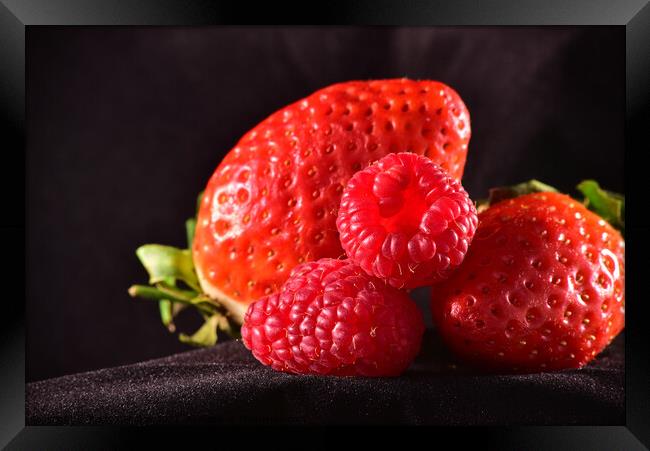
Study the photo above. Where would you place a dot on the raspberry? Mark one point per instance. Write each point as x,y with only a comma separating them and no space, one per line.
405,220
331,318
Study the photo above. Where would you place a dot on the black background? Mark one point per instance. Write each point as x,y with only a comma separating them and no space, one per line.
126,125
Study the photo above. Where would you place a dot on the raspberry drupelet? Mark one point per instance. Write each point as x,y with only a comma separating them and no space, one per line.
331,318
406,220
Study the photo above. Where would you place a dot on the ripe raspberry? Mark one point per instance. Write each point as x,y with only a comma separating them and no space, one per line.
404,219
332,318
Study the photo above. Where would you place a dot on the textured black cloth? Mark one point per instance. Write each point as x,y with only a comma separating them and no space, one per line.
225,384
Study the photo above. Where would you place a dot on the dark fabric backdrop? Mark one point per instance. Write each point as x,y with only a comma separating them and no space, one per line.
125,126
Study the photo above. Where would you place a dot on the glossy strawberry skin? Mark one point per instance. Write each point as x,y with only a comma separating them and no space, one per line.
331,318
541,288
405,220
272,202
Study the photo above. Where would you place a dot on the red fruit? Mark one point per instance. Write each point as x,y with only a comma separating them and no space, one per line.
272,202
332,318
404,219
541,288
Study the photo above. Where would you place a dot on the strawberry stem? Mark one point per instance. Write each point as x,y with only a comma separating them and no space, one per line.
608,205
170,266
160,294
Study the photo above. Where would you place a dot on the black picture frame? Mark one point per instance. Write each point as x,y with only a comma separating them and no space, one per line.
17,15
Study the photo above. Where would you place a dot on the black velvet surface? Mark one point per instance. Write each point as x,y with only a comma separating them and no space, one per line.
126,125
225,384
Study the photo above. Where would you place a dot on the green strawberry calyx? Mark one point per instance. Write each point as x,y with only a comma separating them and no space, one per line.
173,283
607,204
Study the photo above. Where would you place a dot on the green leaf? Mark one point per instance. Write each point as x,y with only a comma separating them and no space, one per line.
190,227
199,198
166,314
606,204
168,264
190,224
228,327
206,335
168,311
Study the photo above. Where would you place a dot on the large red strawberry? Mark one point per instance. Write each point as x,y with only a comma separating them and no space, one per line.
272,202
541,288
